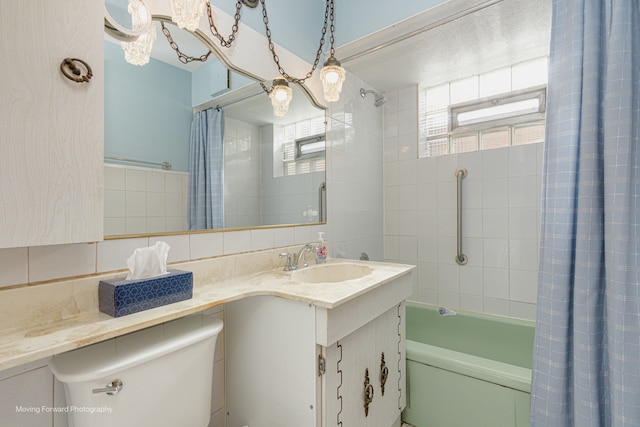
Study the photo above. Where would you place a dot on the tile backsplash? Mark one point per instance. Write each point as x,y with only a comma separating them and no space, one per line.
43,263
141,200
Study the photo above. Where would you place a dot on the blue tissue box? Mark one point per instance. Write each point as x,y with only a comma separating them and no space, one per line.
121,297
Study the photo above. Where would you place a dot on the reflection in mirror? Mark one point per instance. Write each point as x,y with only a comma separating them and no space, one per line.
126,20
148,114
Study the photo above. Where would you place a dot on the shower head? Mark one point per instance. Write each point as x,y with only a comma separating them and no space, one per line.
379,100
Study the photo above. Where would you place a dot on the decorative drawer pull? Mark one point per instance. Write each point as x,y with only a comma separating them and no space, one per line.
384,374
368,393
72,71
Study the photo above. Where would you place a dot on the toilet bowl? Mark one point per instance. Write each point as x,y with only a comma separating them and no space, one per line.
159,376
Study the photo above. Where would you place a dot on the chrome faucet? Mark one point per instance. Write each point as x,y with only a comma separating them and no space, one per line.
294,259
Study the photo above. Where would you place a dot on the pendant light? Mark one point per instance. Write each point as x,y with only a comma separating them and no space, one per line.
280,95
139,52
187,13
332,74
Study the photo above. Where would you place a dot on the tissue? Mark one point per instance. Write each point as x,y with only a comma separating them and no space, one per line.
148,262
147,285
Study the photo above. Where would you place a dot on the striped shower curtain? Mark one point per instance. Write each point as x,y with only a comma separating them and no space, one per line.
586,369
206,167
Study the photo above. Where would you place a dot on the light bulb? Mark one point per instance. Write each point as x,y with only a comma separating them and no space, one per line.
332,76
281,95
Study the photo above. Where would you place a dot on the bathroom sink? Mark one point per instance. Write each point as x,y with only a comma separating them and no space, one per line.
330,273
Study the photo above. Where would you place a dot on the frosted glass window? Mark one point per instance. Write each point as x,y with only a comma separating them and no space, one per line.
528,134
529,74
437,123
438,98
446,119
435,147
496,82
495,139
464,143
464,90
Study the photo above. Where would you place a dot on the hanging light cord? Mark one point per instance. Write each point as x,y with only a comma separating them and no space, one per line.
185,59
328,14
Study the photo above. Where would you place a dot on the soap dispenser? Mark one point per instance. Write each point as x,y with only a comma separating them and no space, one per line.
321,249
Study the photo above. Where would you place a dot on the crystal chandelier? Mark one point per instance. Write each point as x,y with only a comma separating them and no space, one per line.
187,13
139,52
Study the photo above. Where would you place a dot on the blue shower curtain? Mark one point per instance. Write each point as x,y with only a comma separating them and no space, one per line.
206,156
586,369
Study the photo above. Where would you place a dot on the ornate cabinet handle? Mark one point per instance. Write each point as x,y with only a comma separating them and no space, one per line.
72,71
384,374
368,392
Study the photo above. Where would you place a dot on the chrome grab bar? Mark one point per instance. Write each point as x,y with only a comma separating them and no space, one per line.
321,195
461,258
165,165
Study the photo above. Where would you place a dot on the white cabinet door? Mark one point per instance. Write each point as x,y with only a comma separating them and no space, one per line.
349,360
271,363
51,129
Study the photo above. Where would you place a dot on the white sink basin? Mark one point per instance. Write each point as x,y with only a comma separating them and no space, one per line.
330,273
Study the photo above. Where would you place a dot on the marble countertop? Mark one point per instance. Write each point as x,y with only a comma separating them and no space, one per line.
44,320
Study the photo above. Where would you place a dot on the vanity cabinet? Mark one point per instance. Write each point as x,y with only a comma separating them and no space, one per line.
292,363
52,128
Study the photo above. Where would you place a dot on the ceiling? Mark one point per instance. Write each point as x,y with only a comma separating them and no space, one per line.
455,40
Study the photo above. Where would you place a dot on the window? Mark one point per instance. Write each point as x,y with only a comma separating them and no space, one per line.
299,148
496,109
313,146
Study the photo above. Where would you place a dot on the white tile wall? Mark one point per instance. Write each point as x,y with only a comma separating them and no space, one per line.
354,178
500,218
242,174
144,200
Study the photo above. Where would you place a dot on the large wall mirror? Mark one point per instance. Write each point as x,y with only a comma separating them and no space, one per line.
272,167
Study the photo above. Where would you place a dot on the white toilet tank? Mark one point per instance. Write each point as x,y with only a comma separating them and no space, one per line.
165,371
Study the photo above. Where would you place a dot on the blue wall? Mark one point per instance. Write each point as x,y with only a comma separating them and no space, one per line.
148,110
210,80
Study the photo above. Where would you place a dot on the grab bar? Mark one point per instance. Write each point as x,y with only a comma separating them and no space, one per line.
461,258
321,194
165,165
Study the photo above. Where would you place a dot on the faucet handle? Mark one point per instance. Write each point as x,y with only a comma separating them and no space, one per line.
288,266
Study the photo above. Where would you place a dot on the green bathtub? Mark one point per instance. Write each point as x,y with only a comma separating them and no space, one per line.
466,370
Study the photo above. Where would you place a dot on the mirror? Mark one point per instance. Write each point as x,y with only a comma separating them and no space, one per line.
148,114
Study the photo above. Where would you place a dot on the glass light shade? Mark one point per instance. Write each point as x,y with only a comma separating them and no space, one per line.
281,95
187,13
332,76
139,51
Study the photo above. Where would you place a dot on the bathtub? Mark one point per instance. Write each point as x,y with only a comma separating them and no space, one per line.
470,369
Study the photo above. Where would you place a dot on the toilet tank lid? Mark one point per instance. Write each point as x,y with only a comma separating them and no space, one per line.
117,354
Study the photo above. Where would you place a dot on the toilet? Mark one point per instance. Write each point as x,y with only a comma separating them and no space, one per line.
159,376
